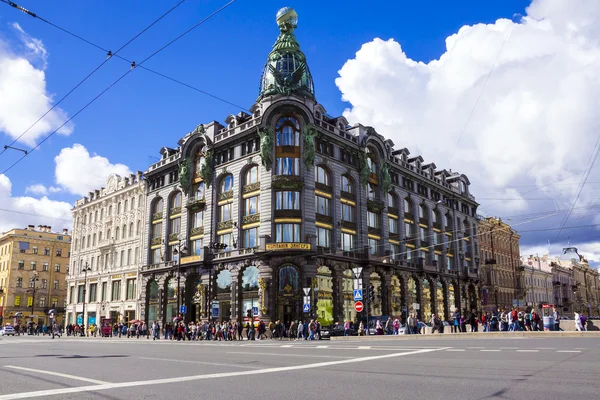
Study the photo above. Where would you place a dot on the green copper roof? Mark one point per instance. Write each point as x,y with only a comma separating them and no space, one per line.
286,70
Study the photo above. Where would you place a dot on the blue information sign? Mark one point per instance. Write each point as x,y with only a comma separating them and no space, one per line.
358,295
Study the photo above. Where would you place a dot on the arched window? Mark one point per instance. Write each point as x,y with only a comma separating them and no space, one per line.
157,207
288,279
140,202
347,184
96,216
138,227
226,184
321,175
100,237
198,190
124,232
392,200
175,206
287,151
125,206
108,234
423,212
251,175
372,162
110,210
448,222
198,161
408,208
117,232
119,208
435,217
131,230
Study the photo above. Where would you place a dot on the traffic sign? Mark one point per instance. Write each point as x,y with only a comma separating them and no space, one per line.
306,308
358,306
358,295
255,311
306,291
416,306
182,309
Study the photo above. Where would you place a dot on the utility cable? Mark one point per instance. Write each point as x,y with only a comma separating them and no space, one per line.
108,52
133,66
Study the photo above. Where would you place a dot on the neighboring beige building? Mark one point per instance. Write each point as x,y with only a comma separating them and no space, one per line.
562,282
536,278
500,261
31,253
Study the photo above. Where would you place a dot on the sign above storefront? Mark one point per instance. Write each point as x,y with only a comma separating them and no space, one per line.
191,259
288,246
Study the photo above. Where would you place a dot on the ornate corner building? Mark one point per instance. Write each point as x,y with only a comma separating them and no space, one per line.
501,285
108,238
244,216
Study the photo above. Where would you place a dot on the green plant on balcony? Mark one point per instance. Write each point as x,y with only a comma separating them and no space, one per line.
287,182
155,241
250,219
157,216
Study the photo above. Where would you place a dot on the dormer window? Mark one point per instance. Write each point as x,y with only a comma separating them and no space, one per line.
462,187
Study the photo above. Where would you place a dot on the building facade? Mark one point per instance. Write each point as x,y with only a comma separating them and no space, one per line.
248,214
499,250
33,266
537,277
108,243
585,288
562,283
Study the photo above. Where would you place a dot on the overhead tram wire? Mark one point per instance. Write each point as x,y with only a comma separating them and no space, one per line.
119,79
107,52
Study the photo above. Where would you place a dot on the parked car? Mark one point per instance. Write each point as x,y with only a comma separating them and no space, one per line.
335,330
7,331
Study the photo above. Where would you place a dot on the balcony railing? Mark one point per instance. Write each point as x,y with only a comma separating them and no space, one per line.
251,219
375,205
226,195
155,241
175,210
196,203
322,187
225,224
157,216
199,230
252,187
393,210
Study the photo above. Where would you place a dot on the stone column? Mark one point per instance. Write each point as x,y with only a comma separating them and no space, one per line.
386,281
267,295
433,295
235,301
338,293
445,293
419,299
366,277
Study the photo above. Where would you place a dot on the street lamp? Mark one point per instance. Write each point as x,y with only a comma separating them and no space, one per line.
32,281
85,269
212,246
179,251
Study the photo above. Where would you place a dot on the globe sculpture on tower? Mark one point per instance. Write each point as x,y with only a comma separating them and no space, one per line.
286,71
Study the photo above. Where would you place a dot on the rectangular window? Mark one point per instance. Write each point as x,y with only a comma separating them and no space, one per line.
287,200
348,212
226,240
287,233
287,166
395,251
129,257
104,290
56,267
250,237
56,287
58,252
408,229
34,249
116,291
157,230
45,267
225,212
323,237
197,245
21,264
72,294
155,256
175,226
322,205
393,225
44,284
19,282
252,205
130,289
93,292
47,251
31,283
347,242
122,258
80,294
33,265
423,233
197,219
42,302
23,247
372,219
373,246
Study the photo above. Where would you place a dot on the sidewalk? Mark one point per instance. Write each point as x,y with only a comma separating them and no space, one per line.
472,335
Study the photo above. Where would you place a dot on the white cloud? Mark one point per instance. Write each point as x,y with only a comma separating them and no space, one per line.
23,95
40,189
535,123
18,212
78,172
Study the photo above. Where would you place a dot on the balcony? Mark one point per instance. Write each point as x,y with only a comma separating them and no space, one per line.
197,231
196,204
225,195
157,216
225,225
287,182
393,211
252,187
324,188
374,231
326,219
349,225
174,237
347,195
155,241
175,211
375,205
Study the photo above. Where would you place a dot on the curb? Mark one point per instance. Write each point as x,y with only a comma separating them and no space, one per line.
470,335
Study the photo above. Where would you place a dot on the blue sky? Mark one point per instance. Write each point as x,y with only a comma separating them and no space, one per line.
224,56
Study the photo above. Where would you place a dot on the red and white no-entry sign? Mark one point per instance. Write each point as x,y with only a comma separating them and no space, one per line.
358,306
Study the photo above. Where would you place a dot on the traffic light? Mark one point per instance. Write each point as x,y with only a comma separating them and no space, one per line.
371,293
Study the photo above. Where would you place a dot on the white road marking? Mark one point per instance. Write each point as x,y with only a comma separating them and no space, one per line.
568,351
489,350
42,371
546,348
109,386
287,345
455,350
364,347
198,362
285,355
476,348
508,348
528,351
321,347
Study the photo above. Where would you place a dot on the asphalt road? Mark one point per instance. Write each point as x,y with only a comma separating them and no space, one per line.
462,368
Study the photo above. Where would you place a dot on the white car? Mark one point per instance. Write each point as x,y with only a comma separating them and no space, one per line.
7,330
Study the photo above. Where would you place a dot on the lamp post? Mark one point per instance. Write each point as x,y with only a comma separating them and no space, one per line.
179,251
212,246
85,269
33,280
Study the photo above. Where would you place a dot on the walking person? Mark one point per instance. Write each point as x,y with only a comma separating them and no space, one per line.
578,326
556,319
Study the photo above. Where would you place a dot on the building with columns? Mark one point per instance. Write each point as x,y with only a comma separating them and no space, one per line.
245,215
536,277
500,278
108,238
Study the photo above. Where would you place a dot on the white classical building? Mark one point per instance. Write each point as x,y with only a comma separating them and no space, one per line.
536,276
107,242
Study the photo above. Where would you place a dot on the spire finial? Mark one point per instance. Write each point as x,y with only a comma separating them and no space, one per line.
287,20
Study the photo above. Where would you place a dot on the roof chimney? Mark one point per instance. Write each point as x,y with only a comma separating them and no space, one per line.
65,231
40,228
48,228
